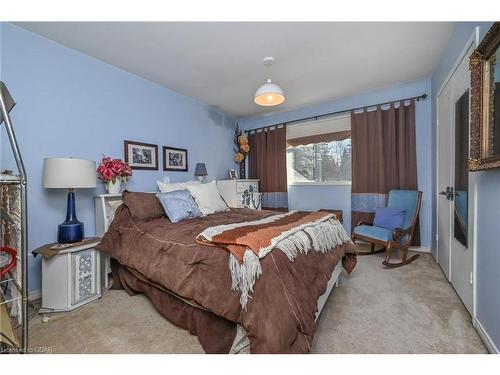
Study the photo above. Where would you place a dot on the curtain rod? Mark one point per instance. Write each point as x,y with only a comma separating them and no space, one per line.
423,96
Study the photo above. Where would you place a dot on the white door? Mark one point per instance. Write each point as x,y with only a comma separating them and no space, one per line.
455,254
444,175
461,239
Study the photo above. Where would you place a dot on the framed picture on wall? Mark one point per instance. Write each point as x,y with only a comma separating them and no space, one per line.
141,155
175,159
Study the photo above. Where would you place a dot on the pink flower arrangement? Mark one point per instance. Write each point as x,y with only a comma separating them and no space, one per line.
112,169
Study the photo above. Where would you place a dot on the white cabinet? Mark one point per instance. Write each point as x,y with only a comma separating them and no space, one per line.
240,193
71,278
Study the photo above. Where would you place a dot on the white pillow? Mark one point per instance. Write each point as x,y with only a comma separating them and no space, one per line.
167,188
208,198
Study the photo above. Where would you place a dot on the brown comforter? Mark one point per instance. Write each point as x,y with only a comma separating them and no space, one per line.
280,318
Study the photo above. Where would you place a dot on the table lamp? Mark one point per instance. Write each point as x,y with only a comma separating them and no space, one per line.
69,173
200,171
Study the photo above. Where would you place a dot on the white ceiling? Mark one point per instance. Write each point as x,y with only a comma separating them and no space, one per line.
221,63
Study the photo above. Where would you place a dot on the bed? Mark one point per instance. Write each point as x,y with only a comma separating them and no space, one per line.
190,284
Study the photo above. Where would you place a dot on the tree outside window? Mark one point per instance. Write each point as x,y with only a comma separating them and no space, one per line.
320,162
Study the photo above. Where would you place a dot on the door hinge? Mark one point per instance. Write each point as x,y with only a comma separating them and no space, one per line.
471,278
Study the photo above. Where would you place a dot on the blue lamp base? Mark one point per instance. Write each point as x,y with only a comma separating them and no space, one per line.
71,230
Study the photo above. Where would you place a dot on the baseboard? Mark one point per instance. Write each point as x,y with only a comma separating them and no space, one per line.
490,345
34,295
420,249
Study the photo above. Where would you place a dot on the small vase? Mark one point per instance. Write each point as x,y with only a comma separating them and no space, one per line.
243,173
114,187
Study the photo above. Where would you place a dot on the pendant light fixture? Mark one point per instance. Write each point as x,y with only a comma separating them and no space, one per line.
269,94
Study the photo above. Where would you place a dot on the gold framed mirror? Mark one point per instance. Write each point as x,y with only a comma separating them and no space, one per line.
485,102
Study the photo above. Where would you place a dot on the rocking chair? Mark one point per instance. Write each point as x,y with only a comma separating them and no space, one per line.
398,238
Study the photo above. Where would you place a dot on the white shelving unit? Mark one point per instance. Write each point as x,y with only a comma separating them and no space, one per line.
19,279
103,217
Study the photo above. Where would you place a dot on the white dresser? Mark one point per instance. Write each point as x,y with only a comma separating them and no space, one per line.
240,193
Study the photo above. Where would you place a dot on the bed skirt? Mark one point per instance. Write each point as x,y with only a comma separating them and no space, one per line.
216,334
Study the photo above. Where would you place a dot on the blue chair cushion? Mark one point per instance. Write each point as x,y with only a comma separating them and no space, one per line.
389,217
406,199
377,233
179,205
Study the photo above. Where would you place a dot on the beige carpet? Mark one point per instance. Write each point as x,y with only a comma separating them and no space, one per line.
412,309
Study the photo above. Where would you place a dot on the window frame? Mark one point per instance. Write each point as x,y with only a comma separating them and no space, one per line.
342,127
325,183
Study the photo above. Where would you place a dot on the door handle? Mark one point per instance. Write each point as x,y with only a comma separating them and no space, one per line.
446,193
449,193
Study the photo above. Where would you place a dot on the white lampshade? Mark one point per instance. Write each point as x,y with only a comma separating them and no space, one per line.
69,173
269,94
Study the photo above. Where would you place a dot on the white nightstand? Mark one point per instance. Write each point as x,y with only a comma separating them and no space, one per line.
71,278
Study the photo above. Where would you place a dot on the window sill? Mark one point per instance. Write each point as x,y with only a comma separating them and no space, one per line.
330,183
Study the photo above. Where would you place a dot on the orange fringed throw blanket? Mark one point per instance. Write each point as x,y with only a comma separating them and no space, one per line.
292,232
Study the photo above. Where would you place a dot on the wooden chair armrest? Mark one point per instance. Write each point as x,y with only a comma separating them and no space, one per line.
399,233
363,222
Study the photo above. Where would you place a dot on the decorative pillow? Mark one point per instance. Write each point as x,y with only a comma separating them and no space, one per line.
144,206
389,217
179,205
208,198
167,187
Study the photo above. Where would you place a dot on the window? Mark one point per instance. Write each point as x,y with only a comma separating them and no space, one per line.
319,152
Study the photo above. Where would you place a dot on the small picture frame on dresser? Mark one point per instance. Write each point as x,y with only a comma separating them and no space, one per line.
232,174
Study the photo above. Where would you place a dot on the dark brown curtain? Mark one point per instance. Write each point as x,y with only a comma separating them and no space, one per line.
267,162
256,163
383,158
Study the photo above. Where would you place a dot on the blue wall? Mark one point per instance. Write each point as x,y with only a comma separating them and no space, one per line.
314,197
307,198
487,188
69,104
1,49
